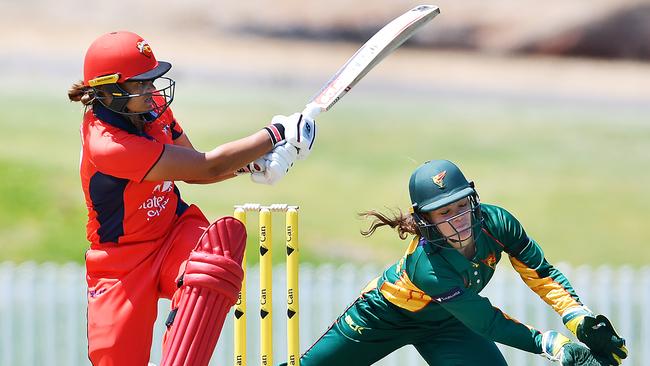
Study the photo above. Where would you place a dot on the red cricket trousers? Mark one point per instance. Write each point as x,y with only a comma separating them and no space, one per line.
125,283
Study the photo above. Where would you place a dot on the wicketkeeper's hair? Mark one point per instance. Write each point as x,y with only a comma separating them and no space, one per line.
398,220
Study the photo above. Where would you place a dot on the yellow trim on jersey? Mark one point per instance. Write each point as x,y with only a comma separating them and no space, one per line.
370,286
405,294
101,80
412,245
546,288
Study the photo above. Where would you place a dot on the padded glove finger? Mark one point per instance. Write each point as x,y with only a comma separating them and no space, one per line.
599,335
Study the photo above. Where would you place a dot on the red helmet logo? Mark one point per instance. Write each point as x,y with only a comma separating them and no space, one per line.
144,48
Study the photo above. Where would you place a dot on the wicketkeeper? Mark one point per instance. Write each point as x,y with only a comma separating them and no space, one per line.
430,298
146,243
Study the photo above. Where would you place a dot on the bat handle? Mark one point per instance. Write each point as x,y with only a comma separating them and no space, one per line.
312,110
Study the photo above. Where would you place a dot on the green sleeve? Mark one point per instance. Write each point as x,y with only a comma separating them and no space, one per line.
527,258
478,314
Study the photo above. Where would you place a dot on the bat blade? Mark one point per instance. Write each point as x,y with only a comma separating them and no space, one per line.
380,45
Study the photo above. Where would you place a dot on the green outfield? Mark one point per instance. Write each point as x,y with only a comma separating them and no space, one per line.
576,176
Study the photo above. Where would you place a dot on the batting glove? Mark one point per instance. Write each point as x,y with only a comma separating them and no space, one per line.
557,347
276,165
296,130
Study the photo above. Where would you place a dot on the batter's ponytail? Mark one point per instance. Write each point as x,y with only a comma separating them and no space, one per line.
78,92
403,223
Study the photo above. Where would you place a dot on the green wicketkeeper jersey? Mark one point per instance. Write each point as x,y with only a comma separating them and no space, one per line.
431,284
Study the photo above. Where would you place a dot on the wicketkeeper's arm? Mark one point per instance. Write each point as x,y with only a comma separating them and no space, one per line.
554,288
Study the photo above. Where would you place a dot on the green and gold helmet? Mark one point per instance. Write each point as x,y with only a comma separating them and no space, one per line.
435,184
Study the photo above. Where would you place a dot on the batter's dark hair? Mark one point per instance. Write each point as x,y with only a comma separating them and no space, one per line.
396,219
79,92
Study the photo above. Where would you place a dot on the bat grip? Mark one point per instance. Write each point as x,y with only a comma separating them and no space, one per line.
312,110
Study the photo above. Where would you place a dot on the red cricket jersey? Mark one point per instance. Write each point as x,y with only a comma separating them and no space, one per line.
115,158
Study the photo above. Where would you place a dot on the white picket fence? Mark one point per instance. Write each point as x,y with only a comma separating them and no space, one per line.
43,315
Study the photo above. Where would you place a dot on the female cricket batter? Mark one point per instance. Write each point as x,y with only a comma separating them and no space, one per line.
430,297
146,243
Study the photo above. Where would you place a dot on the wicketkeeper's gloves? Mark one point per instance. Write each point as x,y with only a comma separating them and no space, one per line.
597,332
557,347
599,335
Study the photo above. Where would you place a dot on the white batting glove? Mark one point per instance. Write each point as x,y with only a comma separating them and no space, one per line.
276,165
296,130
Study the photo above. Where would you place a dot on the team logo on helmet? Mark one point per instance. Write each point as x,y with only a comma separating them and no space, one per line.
438,179
144,48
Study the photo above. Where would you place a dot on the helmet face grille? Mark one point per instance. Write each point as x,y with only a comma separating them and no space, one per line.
118,99
432,234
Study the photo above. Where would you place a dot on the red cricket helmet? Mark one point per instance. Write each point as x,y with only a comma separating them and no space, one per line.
117,57
120,56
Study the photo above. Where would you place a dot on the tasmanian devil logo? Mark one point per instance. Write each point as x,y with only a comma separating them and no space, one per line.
490,261
438,179
144,48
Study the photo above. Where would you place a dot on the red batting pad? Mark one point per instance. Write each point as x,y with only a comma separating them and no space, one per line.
211,284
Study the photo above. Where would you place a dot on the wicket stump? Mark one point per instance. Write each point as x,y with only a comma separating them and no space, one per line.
266,285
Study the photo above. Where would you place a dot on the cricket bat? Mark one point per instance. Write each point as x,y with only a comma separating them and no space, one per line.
380,45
